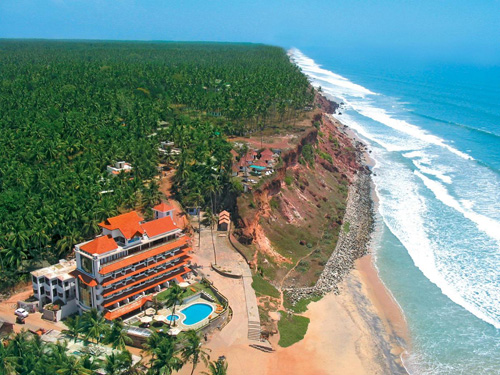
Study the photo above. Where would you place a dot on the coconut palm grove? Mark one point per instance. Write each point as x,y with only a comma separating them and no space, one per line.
71,108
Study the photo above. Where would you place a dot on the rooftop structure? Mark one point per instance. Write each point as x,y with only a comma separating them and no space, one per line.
163,209
119,271
54,283
120,166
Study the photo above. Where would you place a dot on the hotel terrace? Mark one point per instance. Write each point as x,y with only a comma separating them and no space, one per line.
119,271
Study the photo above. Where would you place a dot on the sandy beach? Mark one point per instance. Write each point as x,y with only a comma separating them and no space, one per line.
359,331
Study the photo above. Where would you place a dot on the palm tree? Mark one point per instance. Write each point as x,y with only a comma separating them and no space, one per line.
210,219
197,199
217,368
73,366
117,336
192,350
91,363
94,325
136,369
174,296
74,325
115,364
152,342
164,360
66,243
7,360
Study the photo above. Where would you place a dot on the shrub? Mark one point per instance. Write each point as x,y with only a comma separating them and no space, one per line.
263,287
274,203
292,329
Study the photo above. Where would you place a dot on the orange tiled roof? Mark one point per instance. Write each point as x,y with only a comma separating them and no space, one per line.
128,224
83,278
186,270
144,279
159,226
184,253
100,245
234,153
267,152
141,256
163,207
224,213
224,220
260,163
179,278
110,315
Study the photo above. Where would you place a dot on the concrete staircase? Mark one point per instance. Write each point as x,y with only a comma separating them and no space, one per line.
254,330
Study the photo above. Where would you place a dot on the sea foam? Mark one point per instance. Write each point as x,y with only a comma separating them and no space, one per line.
439,245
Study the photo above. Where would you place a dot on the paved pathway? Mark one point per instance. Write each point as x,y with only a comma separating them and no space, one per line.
228,258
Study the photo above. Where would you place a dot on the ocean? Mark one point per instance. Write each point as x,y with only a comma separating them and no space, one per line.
434,132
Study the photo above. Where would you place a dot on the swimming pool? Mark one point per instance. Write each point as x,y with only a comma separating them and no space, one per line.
196,313
173,318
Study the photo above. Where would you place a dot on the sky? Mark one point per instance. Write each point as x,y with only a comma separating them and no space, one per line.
454,30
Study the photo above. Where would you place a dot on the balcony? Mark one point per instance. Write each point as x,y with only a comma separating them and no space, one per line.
138,255
137,268
146,287
146,275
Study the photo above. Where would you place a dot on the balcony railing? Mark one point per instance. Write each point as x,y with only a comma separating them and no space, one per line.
143,264
144,287
143,246
148,273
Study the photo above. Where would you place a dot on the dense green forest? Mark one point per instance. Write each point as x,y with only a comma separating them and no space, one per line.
68,109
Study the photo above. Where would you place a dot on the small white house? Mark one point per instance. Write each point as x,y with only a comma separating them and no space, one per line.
120,166
55,285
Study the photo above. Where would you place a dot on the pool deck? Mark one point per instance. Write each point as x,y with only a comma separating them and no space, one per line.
239,292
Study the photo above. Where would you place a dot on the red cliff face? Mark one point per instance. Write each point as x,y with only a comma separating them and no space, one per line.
334,154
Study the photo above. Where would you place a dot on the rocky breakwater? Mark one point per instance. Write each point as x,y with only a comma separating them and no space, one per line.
352,243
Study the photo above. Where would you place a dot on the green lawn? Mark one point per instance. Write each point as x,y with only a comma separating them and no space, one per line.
162,296
301,306
292,329
263,287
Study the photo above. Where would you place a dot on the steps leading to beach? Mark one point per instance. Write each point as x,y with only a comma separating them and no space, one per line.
254,330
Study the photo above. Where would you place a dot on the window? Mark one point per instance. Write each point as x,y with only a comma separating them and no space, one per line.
87,264
85,293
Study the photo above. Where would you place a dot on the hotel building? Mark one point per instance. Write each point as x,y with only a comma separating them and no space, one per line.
119,271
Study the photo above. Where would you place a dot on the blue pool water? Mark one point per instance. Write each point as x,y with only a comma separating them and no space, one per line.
259,168
173,318
196,313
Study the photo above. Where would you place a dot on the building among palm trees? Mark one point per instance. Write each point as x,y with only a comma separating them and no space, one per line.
119,271
224,221
54,285
118,167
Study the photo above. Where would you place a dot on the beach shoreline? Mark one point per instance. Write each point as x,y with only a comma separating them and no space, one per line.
376,318
379,294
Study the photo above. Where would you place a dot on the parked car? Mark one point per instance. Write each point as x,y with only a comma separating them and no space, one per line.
22,313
